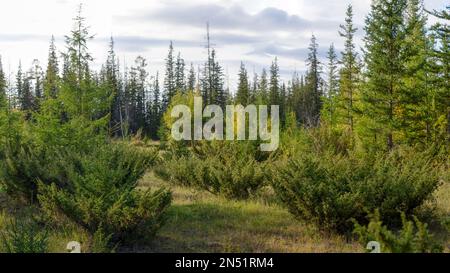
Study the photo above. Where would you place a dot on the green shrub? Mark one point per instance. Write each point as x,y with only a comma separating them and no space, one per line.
414,236
228,169
101,193
331,189
24,236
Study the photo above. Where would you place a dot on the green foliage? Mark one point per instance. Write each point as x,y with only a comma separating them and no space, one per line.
331,189
101,193
225,168
24,236
414,236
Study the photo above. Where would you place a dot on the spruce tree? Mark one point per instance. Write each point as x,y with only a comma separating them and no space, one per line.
440,71
113,83
413,108
191,79
3,99
169,79
274,85
36,75
242,94
155,111
180,84
262,96
384,47
19,86
349,74
314,82
330,99
51,80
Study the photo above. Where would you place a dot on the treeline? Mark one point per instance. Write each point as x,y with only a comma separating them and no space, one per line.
397,91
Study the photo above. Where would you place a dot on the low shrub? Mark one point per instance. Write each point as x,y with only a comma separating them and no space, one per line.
101,193
413,237
24,236
331,189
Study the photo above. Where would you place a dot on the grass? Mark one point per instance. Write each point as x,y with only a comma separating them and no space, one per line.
201,222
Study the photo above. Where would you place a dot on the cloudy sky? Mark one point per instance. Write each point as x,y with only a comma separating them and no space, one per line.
253,31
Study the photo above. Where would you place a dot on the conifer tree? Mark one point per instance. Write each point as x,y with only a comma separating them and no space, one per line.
349,74
330,99
313,92
155,114
80,92
51,80
113,84
440,74
169,79
180,84
36,75
263,89
191,82
243,92
3,99
19,86
384,47
414,98
274,85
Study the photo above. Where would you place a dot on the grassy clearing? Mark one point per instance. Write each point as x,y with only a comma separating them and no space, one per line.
202,222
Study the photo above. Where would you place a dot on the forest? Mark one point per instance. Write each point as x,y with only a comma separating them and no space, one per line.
87,155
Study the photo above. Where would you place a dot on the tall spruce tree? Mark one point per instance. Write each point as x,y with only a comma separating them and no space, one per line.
180,83
349,74
414,106
440,73
274,84
113,84
243,90
332,87
313,91
384,48
155,111
191,80
51,80
169,79
37,75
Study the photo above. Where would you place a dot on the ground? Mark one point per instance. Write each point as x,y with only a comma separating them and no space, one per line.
201,222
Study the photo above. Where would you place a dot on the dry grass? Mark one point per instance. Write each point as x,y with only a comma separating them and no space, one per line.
201,222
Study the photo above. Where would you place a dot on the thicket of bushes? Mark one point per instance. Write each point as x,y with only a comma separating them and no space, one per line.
72,172
332,189
232,169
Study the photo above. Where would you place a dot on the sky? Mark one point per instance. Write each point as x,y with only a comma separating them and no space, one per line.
252,31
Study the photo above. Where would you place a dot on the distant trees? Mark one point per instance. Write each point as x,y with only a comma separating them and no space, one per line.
396,92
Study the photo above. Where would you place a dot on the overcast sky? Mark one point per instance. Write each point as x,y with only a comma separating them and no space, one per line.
253,31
